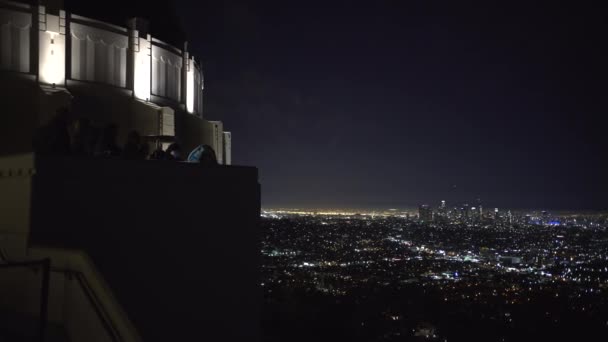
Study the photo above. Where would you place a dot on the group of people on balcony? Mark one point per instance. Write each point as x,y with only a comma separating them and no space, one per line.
65,135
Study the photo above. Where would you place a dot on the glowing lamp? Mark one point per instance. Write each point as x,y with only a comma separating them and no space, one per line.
141,69
190,87
52,52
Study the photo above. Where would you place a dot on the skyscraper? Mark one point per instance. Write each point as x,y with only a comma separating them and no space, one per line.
479,209
475,214
442,212
545,217
465,211
425,213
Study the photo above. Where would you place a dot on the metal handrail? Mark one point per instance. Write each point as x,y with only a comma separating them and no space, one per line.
44,289
44,294
94,300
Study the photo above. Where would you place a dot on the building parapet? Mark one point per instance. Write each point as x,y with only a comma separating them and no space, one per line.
98,52
145,235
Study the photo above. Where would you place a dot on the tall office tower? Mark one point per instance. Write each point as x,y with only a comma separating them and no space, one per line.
474,214
544,217
496,215
510,217
227,148
466,211
425,213
479,209
442,211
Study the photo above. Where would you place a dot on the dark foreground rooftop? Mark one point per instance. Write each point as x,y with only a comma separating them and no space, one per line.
176,243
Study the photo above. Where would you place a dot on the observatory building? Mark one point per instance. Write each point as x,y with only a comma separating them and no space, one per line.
110,249
104,73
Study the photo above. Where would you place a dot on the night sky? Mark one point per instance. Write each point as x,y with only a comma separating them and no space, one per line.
395,103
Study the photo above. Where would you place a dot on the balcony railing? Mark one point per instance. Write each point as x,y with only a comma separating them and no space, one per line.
44,269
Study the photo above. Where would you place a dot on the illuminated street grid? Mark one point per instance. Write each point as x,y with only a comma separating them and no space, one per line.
506,268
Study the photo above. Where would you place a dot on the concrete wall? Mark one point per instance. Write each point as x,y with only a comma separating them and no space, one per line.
213,135
227,148
98,55
20,287
15,31
15,204
177,243
102,105
19,112
166,72
189,130
19,303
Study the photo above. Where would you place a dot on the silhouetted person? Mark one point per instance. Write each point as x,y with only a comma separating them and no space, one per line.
107,143
203,154
158,154
92,140
81,131
133,147
54,137
174,152
145,149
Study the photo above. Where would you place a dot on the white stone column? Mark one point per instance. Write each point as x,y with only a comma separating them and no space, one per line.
140,60
184,82
190,86
142,67
51,47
